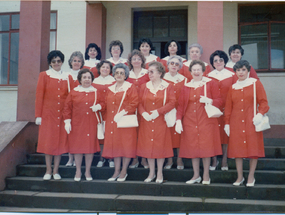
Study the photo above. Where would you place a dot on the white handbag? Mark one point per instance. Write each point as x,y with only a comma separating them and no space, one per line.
170,117
264,125
211,110
101,124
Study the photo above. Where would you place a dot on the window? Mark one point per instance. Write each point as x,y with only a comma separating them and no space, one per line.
53,28
262,36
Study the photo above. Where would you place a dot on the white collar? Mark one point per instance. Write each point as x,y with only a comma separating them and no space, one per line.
74,74
187,63
161,86
230,64
175,79
150,58
195,84
79,88
126,85
241,84
167,57
222,75
91,62
103,81
142,73
121,60
57,75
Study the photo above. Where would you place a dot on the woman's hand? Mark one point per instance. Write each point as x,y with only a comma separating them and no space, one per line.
205,100
67,125
96,107
227,129
146,116
154,114
178,126
257,119
38,121
119,115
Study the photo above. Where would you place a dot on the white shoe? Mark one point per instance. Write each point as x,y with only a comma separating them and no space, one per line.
101,163
111,164
206,182
113,179
212,168
251,184
197,180
47,177
134,166
238,183
56,176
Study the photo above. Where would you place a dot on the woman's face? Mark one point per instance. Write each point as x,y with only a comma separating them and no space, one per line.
197,72
235,55
120,75
172,48
153,73
105,70
173,66
136,61
86,80
56,63
194,53
76,63
145,49
92,53
219,63
242,73
116,51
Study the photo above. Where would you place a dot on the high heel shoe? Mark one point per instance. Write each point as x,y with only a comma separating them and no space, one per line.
251,184
114,179
206,182
168,166
88,178
122,179
134,166
159,181
212,168
197,180
238,183
69,164
77,179
101,163
147,180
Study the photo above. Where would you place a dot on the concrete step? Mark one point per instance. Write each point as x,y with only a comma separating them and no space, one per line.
178,189
139,174
274,141
130,203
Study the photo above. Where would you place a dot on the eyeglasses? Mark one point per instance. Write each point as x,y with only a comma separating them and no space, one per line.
116,48
219,60
119,73
173,63
56,61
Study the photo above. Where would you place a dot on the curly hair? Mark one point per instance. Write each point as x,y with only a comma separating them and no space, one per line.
138,53
116,43
76,54
221,54
160,68
93,45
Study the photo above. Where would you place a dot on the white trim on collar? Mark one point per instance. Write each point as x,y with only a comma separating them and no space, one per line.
126,85
121,60
187,63
198,84
175,79
150,58
222,75
162,86
103,81
74,74
241,84
141,74
79,88
167,57
57,75
230,64
91,62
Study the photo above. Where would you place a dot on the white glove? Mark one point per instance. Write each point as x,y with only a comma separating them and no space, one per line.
146,116
96,107
67,125
257,119
206,100
38,121
227,129
119,115
178,126
154,114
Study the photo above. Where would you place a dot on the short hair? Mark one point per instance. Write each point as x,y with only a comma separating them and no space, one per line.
197,45
199,62
99,65
145,40
168,44
221,54
234,47
133,53
241,64
83,71
93,45
53,54
178,58
160,68
76,54
122,66
116,43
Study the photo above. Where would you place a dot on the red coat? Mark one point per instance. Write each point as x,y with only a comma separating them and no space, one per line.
141,79
200,136
52,90
120,142
93,70
244,141
151,58
121,60
154,140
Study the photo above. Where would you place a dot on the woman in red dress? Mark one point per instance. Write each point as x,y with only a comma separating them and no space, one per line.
154,140
92,58
52,90
244,141
120,143
145,46
81,122
200,134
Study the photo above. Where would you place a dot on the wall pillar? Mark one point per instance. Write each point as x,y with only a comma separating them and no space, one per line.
33,50
210,27
96,26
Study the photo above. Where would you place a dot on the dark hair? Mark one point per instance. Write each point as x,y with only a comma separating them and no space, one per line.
53,54
221,54
122,66
83,71
145,40
93,45
201,63
133,53
168,44
99,65
241,64
234,47
116,43
160,68
76,54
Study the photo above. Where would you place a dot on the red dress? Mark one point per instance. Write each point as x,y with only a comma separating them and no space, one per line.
141,79
244,141
121,60
154,140
150,58
83,136
52,90
177,82
120,142
91,65
164,63
187,73
200,136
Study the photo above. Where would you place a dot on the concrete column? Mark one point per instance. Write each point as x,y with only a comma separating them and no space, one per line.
210,27
96,26
33,51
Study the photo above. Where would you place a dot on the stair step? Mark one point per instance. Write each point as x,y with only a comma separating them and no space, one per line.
274,141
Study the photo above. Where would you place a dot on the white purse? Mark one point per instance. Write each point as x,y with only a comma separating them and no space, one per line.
101,124
170,117
211,110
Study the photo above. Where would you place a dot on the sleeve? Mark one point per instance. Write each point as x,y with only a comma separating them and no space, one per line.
94,70
68,105
228,107
187,73
141,99
252,73
216,95
40,93
101,100
261,98
181,104
207,71
164,63
170,101
131,101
